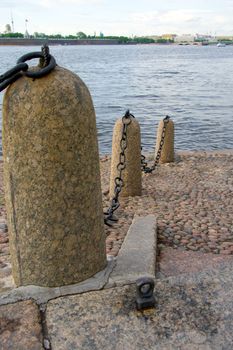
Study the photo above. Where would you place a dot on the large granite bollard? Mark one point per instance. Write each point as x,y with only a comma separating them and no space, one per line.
167,153
132,173
52,181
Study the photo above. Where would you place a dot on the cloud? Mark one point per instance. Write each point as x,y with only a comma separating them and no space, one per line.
11,4
179,16
144,16
220,19
121,18
182,21
51,3
166,16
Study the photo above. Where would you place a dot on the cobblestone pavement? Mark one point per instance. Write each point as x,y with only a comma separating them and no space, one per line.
192,199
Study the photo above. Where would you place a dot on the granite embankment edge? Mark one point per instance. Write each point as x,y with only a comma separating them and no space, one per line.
183,152
137,258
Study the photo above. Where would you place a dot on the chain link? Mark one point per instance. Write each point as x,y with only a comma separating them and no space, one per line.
22,68
119,183
144,166
44,61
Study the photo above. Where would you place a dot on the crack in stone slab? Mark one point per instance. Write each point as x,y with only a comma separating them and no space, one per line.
42,295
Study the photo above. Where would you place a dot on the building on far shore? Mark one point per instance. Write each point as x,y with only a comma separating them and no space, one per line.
184,39
224,38
205,38
168,37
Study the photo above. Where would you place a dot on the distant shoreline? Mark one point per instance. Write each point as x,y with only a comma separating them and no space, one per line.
73,42
34,42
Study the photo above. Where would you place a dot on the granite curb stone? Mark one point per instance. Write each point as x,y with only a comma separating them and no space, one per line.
137,256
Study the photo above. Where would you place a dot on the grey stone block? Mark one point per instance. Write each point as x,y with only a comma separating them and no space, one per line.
137,256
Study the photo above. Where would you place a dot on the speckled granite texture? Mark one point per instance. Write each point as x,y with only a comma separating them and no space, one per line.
167,154
174,262
137,256
20,327
192,313
132,173
52,181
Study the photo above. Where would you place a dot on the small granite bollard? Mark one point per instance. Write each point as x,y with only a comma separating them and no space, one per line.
52,181
132,177
167,153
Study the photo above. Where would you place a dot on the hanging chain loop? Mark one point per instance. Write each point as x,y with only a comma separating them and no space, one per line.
22,68
144,167
119,183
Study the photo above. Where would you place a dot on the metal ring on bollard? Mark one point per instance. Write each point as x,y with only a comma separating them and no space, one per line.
18,68
12,75
21,68
43,71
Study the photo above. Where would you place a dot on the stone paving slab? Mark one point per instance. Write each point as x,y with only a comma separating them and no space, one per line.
137,256
193,312
43,294
136,259
20,327
174,262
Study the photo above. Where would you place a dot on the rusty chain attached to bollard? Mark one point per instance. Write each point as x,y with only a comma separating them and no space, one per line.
47,64
144,166
109,217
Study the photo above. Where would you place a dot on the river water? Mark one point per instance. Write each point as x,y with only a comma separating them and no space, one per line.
194,85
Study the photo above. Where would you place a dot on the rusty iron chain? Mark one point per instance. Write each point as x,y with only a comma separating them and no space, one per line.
44,61
144,165
22,68
119,183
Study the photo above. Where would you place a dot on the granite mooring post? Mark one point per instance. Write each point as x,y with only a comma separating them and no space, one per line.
132,173
167,153
52,181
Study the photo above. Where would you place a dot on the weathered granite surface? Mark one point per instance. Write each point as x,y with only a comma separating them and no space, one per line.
137,256
52,181
174,262
20,327
192,313
42,294
131,175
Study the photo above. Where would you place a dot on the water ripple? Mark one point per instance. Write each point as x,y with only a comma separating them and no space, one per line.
192,84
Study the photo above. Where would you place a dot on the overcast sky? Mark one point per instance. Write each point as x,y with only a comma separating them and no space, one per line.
119,17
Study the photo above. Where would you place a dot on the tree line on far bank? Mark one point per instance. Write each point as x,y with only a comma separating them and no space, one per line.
8,33
81,36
